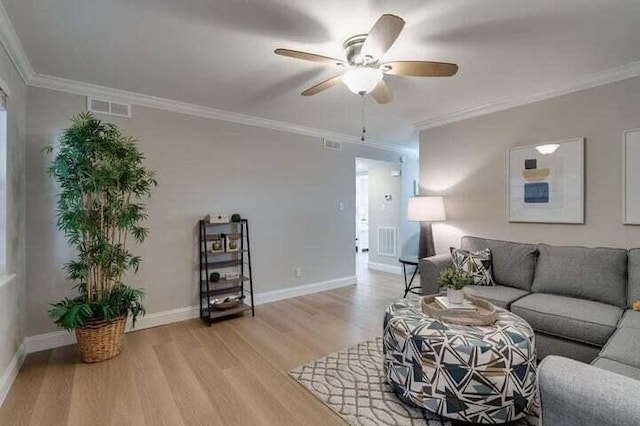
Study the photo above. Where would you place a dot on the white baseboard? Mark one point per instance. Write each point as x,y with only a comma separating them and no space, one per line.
7,378
392,269
301,290
55,339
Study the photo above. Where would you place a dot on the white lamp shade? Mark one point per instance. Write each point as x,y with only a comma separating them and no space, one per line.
426,209
362,80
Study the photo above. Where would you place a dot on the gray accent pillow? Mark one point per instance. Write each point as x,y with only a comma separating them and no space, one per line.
476,263
598,274
513,264
633,291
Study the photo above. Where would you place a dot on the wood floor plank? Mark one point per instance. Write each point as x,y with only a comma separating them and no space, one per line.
156,399
52,406
190,397
20,402
232,373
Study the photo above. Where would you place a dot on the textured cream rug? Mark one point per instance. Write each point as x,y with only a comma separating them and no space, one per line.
352,383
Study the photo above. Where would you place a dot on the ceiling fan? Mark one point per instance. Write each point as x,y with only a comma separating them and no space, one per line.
364,69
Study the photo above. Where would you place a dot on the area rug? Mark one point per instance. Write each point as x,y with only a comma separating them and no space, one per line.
352,383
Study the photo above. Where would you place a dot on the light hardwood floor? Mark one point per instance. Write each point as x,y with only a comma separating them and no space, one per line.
233,373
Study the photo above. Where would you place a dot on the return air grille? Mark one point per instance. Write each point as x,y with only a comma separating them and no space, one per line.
387,241
100,106
336,146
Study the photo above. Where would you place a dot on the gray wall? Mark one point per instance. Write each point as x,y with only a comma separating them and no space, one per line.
285,184
409,231
466,162
381,211
12,294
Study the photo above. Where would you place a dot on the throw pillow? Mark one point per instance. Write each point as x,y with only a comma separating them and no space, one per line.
476,263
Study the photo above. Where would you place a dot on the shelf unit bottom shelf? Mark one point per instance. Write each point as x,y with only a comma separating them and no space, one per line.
214,314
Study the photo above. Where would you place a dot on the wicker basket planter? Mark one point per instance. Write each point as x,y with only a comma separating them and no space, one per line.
101,340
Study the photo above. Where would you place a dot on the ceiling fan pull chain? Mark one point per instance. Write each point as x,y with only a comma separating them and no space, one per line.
364,129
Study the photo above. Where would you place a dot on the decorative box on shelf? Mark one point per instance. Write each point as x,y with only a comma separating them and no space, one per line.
218,218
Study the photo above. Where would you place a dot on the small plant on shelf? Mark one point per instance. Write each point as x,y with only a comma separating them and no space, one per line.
102,181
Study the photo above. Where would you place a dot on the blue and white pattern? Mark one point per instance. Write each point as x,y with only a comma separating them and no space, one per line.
479,374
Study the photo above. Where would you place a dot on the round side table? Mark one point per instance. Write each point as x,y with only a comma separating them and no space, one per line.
478,374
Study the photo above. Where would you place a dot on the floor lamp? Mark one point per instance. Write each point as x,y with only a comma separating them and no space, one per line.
426,210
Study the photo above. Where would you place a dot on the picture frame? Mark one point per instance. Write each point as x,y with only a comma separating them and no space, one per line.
231,243
630,176
546,187
216,245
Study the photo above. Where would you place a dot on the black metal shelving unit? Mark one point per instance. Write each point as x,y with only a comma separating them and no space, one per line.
240,261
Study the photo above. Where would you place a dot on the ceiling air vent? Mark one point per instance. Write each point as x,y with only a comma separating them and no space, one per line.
101,106
336,146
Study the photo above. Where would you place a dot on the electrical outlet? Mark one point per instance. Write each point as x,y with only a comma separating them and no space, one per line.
340,206
298,272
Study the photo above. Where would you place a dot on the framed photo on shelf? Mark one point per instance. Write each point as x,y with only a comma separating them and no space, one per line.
231,243
216,245
545,182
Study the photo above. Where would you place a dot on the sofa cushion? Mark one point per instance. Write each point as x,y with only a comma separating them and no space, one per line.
513,263
624,347
574,319
633,289
475,263
598,274
617,367
630,319
499,295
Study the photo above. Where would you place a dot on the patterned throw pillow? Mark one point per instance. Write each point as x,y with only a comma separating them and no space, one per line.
476,263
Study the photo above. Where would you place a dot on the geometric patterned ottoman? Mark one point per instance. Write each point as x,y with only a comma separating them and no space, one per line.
480,374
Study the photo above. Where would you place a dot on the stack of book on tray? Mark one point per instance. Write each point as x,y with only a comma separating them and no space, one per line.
444,303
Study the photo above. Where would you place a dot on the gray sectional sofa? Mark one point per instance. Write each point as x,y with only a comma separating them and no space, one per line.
578,301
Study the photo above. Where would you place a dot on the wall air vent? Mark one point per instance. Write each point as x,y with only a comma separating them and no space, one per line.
387,241
336,146
101,106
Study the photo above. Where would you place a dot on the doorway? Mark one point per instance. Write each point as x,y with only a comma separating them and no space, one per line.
377,216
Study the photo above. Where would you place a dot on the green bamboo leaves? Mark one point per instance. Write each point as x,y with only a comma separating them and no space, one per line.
102,182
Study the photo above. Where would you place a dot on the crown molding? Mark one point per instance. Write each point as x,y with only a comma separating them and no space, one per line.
11,43
593,80
117,95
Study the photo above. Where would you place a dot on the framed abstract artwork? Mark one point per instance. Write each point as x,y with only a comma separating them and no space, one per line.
631,177
546,182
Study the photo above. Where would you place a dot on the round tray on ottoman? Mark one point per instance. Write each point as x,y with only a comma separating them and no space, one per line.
479,374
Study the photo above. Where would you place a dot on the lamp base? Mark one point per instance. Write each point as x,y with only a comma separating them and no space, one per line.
426,247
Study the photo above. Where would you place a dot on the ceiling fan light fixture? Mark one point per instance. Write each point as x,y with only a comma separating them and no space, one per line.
362,80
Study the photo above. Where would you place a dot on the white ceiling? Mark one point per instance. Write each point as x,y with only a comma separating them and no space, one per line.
218,53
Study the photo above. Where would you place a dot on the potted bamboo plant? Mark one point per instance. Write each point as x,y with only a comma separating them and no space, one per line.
102,182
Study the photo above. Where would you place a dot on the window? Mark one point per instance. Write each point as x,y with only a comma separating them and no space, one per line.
3,182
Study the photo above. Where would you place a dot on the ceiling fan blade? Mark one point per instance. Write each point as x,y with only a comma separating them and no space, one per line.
327,84
309,56
381,93
382,35
420,68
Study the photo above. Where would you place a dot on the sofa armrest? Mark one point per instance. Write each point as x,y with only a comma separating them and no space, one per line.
577,394
430,268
